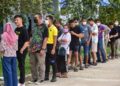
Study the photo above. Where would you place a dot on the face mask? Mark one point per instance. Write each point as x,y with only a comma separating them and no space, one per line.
84,23
77,23
35,20
66,30
98,24
46,22
116,23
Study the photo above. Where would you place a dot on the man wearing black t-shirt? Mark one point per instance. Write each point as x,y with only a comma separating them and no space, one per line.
76,33
22,47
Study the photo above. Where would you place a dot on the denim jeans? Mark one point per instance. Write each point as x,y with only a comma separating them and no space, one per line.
9,65
101,51
86,50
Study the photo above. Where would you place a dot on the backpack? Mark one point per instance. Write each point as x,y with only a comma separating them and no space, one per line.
61,51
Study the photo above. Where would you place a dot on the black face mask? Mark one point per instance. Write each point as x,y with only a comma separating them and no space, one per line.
35,20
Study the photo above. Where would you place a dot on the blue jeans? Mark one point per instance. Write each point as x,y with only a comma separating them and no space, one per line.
101,50
9,65
86,50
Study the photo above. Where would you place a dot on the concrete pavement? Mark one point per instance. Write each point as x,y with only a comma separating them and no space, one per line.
105,74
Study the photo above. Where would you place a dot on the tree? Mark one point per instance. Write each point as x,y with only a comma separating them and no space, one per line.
80,8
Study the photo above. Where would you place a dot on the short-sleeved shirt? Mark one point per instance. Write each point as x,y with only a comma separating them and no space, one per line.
113,32
22,36
118,31
100,29
86,31
52,30
94,29
74,39
39,33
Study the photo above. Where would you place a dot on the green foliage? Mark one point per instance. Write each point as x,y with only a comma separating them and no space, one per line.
88,8
10,7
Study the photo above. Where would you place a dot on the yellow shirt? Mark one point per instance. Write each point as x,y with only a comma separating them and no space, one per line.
52,32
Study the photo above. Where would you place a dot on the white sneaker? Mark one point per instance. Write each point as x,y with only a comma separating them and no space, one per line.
22,84
19,84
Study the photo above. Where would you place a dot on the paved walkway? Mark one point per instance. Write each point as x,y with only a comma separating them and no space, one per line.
102,75
106,74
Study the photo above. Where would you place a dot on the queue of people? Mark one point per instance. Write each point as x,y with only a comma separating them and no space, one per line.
51,44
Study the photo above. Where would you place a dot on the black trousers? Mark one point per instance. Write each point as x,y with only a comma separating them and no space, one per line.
112,45
21,65
61,64
50,61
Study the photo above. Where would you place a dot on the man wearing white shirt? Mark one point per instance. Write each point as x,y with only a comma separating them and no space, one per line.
94,30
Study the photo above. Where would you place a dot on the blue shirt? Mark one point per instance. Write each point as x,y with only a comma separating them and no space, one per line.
86,31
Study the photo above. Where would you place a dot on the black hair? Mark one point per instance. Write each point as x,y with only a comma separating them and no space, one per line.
71,21
18,16
110,23
90,19
97,20
50,17
75,18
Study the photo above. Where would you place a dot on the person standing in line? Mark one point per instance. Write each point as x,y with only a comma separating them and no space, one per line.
76,33
64,41
117,39
37,50
101,51
85,41
51,49
59,27
94,29
9,46
23,43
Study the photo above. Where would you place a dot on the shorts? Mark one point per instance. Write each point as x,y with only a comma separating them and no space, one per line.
94,47
74,48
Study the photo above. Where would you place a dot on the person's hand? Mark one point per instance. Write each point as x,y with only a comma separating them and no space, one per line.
72,32
42,52
29,49
88,42
53,51
22,50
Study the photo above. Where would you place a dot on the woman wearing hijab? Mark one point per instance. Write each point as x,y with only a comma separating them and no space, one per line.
9,46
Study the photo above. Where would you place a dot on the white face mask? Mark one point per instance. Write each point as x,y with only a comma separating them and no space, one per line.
46,22
84,23
98,24
116,23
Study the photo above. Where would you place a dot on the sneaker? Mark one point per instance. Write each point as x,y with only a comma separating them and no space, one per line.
41,81
58,74
95,64
46,79
64,75
53,79
75,69
70,68
19,84
33,81
81,67
86,65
